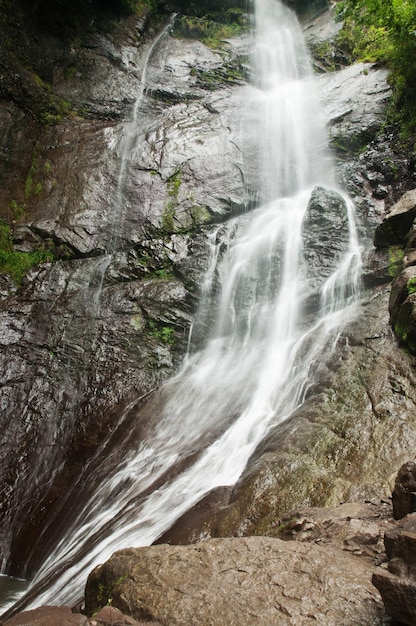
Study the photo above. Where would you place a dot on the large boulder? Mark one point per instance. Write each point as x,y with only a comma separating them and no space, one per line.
325,233
354,101
394,229
254,580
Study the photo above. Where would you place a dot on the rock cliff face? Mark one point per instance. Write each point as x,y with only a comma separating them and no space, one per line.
85,334
125,208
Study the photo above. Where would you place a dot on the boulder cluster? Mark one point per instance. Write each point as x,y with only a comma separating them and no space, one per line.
325,564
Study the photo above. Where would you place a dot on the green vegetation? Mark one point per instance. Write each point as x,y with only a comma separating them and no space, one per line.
217,77
213,28
168,217
200,215
411,286
384,31
396,254
17,210
165,334
17,264
30,174
323,51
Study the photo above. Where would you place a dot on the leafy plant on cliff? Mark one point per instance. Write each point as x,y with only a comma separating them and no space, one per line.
164,334
213,28
168,217
385,31
16,264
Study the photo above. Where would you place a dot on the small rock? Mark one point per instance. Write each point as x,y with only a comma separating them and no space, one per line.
48,616
111,616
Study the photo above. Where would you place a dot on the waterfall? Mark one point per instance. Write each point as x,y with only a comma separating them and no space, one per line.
263,352
125,149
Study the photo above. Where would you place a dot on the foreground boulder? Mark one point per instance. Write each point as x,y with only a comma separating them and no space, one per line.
244,581
48,616
397,586
63,616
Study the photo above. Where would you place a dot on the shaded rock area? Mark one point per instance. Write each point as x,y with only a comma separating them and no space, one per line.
398,232
404,492
119,206
397,585
394,229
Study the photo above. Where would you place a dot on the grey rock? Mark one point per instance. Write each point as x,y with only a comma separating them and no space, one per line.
354,101
325,236
394,229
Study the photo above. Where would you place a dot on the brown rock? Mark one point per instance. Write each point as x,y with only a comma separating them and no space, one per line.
399,596
407,524
110,616
404,492
397,586
239,581
48,616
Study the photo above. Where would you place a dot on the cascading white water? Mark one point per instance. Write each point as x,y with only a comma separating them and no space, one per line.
261,357
125,149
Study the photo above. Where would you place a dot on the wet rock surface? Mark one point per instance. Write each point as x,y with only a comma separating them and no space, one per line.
354,426
108,322
354,101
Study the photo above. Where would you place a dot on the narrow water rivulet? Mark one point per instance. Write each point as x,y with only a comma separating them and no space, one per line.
266,340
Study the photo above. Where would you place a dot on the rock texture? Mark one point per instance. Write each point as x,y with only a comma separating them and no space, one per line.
355,426
397,586
48,616
120,205
255,580
398,229
404,492
63,616
352,121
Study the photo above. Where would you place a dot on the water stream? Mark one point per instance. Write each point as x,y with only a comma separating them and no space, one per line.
262,354
125,149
